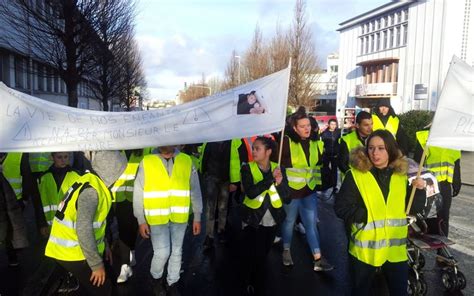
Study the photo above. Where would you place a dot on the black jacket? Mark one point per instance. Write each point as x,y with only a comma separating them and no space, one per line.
331,142
216,160
253,217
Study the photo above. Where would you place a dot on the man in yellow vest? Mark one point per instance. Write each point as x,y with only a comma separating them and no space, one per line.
166,186
445,165
354,139
384,117
52,184
77,240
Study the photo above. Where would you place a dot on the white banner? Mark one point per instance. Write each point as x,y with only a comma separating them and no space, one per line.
29,124
453,123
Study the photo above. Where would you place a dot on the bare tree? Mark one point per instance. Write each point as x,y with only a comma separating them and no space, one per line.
195,91
57,32
255,58
132,83
114,22
304,63
278,51
233,71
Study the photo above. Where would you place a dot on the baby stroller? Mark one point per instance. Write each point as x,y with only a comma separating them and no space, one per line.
425,234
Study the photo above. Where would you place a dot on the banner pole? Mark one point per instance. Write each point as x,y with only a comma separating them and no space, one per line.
280,151
413,188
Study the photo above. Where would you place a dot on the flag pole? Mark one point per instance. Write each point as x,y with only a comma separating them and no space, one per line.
413,188
282,136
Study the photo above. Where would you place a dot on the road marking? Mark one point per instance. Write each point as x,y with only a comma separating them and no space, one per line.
462,249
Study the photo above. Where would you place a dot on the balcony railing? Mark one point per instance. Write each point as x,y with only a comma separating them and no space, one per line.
376,89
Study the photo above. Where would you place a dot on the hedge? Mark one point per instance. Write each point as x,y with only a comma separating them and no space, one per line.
413,121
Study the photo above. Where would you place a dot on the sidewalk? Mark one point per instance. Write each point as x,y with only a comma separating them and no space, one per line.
467,168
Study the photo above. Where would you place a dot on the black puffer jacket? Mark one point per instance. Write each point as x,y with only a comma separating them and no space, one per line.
253,217
12,224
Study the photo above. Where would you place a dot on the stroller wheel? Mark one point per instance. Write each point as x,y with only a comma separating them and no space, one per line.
413,285
423,286
421,261
449,281
461,281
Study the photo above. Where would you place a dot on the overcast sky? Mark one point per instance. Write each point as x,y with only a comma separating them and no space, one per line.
181,39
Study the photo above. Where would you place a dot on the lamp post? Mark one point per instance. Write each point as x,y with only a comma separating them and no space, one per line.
238,69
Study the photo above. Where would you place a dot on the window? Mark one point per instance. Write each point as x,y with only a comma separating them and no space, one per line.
385,37
405,34
372,42
384,22
405,15
399,34
49,80
377,26
399,17
366,49
361,40
41,75
19,73
392,36
389,20
377,42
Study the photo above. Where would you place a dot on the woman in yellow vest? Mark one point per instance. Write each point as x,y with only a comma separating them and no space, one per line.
372,204
384,117
265,186
302,159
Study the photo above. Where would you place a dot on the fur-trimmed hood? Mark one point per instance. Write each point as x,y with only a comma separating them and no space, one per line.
360,161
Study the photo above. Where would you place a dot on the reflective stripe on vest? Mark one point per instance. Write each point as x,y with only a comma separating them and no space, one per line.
167,198
383,237
301,173
257,176
50,195
123,187
392,124
63,243
12,172
440,161
40,162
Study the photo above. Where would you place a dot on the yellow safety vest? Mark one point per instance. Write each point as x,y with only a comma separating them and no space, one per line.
167,198
383,237
51,195
123,187
234,169
12,172
301,173
439,160
256,202
63,243
40,162
392,124
352,141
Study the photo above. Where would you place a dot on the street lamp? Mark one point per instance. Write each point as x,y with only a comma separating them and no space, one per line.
238,76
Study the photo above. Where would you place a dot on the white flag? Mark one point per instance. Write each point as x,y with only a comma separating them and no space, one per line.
453,123
29,124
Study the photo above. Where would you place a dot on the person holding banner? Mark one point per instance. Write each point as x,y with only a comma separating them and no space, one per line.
384,117
354,139
266,188
77,240
302,158
166,186
375,191
445,165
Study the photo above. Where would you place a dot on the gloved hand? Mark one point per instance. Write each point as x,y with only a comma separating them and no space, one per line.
455,191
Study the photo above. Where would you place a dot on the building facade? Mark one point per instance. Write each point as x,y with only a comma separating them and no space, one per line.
325,85
21,71
402,51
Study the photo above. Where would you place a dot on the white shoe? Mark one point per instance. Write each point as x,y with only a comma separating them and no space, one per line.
133,262
277,239
125,272
300,228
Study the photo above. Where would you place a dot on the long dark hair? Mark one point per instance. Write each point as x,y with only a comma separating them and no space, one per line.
391,145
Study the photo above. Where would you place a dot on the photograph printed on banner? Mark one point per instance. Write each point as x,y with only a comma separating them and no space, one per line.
432,187
250,103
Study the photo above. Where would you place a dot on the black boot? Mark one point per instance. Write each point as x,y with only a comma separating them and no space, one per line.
173,290
159,287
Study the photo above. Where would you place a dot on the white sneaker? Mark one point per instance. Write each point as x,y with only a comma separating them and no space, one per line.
125,272
277,239
133,262
300,228
286,256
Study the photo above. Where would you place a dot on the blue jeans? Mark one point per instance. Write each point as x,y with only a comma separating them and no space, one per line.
307,208
167,242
